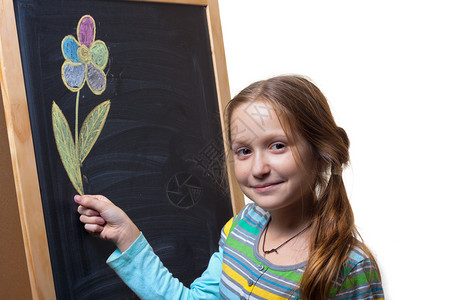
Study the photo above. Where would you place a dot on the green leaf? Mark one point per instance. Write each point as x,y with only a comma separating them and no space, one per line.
66,148
91,128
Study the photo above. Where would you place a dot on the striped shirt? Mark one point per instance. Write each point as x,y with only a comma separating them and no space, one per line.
246,273
237,271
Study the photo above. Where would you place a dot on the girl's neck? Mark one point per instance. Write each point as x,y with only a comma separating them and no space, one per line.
288,232
290,219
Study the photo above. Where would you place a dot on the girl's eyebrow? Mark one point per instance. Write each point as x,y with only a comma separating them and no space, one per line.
278,137
243,141
237,143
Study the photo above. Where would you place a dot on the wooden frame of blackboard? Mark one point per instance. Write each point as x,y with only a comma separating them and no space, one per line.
21,143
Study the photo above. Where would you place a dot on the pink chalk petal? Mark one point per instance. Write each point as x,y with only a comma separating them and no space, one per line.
86,30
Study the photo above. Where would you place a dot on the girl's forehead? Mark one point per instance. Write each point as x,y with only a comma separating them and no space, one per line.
254,119
258,112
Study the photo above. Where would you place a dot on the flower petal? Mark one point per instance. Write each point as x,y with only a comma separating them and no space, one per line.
86,30
99,54
96,79
73,75
69,48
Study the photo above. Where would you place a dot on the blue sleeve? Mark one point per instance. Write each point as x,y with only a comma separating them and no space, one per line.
142,270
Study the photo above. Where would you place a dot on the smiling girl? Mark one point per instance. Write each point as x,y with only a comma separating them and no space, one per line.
296,241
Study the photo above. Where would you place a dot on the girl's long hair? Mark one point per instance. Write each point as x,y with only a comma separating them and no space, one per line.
302,108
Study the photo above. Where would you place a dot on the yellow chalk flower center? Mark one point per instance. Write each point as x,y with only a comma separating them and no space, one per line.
84,55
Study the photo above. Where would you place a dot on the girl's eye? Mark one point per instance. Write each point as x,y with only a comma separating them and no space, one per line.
277,146
243,152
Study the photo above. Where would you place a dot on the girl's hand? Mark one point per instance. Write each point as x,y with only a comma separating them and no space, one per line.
107,221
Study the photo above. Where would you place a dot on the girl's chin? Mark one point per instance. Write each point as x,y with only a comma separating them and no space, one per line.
275,202
266,203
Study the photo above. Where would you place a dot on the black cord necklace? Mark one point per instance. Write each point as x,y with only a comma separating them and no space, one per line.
275,249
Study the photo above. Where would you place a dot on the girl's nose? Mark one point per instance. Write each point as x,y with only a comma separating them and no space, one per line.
260,165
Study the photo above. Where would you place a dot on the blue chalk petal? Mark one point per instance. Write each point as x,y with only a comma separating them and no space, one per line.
69,48
74,75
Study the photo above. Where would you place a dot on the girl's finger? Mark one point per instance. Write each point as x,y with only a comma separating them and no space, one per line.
93,228
101,198
87,211
92,202
92,220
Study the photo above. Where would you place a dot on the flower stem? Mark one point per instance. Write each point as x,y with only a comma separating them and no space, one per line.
76,127
77,151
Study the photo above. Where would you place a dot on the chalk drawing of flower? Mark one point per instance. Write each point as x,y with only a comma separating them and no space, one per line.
85,60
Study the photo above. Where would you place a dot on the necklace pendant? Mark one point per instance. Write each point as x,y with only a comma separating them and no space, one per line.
275,249
270,251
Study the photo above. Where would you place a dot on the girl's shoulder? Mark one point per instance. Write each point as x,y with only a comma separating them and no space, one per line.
357,255
254,212
360,262
359,273
251,214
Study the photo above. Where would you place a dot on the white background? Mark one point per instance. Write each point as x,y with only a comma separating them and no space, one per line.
385,68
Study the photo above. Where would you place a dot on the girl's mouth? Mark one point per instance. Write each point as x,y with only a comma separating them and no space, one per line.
265,187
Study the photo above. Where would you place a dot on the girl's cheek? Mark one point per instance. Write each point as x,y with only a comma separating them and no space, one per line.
240,170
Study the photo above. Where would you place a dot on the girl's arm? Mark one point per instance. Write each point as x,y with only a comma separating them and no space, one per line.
134,260
142,270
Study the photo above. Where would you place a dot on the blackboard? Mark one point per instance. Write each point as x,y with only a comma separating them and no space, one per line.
159,155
